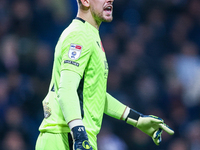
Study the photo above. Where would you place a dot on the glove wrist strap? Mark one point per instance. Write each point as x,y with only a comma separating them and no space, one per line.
133,117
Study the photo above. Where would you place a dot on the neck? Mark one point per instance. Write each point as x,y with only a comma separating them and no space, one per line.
87,16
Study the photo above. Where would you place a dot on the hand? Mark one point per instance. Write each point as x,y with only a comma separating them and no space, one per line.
149,124
153,126
80,138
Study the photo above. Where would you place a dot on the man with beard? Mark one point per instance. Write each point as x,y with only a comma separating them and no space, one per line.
77,97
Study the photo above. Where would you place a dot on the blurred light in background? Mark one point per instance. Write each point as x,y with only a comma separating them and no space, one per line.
153,50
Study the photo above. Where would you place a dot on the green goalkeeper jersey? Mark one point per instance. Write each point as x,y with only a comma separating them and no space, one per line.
79,49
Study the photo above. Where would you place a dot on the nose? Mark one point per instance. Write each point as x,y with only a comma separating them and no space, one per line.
110,1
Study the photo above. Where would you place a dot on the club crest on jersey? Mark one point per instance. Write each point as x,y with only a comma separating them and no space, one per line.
74,51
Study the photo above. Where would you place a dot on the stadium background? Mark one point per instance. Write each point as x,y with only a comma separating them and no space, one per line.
153,51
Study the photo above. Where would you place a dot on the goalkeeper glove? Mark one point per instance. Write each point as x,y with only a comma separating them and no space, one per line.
149,124
80,138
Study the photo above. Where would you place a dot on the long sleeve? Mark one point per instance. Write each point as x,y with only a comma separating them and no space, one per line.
113,107
67,95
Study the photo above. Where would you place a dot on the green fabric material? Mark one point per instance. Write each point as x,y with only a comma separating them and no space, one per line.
59,141
67,95
113,107
90,64
49,141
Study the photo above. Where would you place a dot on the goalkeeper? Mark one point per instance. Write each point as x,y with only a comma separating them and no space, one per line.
77,97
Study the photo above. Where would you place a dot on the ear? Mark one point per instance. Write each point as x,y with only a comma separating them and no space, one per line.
85,3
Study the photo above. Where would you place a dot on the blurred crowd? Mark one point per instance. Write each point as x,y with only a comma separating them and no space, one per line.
153,52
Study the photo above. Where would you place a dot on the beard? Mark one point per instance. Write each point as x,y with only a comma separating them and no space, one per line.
100,17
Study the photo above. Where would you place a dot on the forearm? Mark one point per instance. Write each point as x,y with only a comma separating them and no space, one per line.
69,103
67,95
114,108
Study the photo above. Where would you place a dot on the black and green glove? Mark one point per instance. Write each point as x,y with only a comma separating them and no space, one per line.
149,124
80,138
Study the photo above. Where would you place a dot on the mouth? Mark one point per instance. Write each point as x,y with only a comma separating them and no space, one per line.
108,8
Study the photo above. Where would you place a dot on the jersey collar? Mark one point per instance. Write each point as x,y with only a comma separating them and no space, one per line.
78,18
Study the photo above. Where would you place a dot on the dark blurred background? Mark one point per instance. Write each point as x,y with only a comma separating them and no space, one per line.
153,51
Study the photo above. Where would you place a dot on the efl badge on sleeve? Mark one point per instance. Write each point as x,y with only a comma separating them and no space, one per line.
74,51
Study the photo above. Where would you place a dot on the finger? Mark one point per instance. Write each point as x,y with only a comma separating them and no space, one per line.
157,133
157,141
166,128
155,119
157,136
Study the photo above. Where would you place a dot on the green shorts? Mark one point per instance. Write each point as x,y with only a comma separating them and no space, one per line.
59,141
52,141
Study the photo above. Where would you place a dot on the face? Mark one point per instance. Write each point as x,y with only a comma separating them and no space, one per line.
102,10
